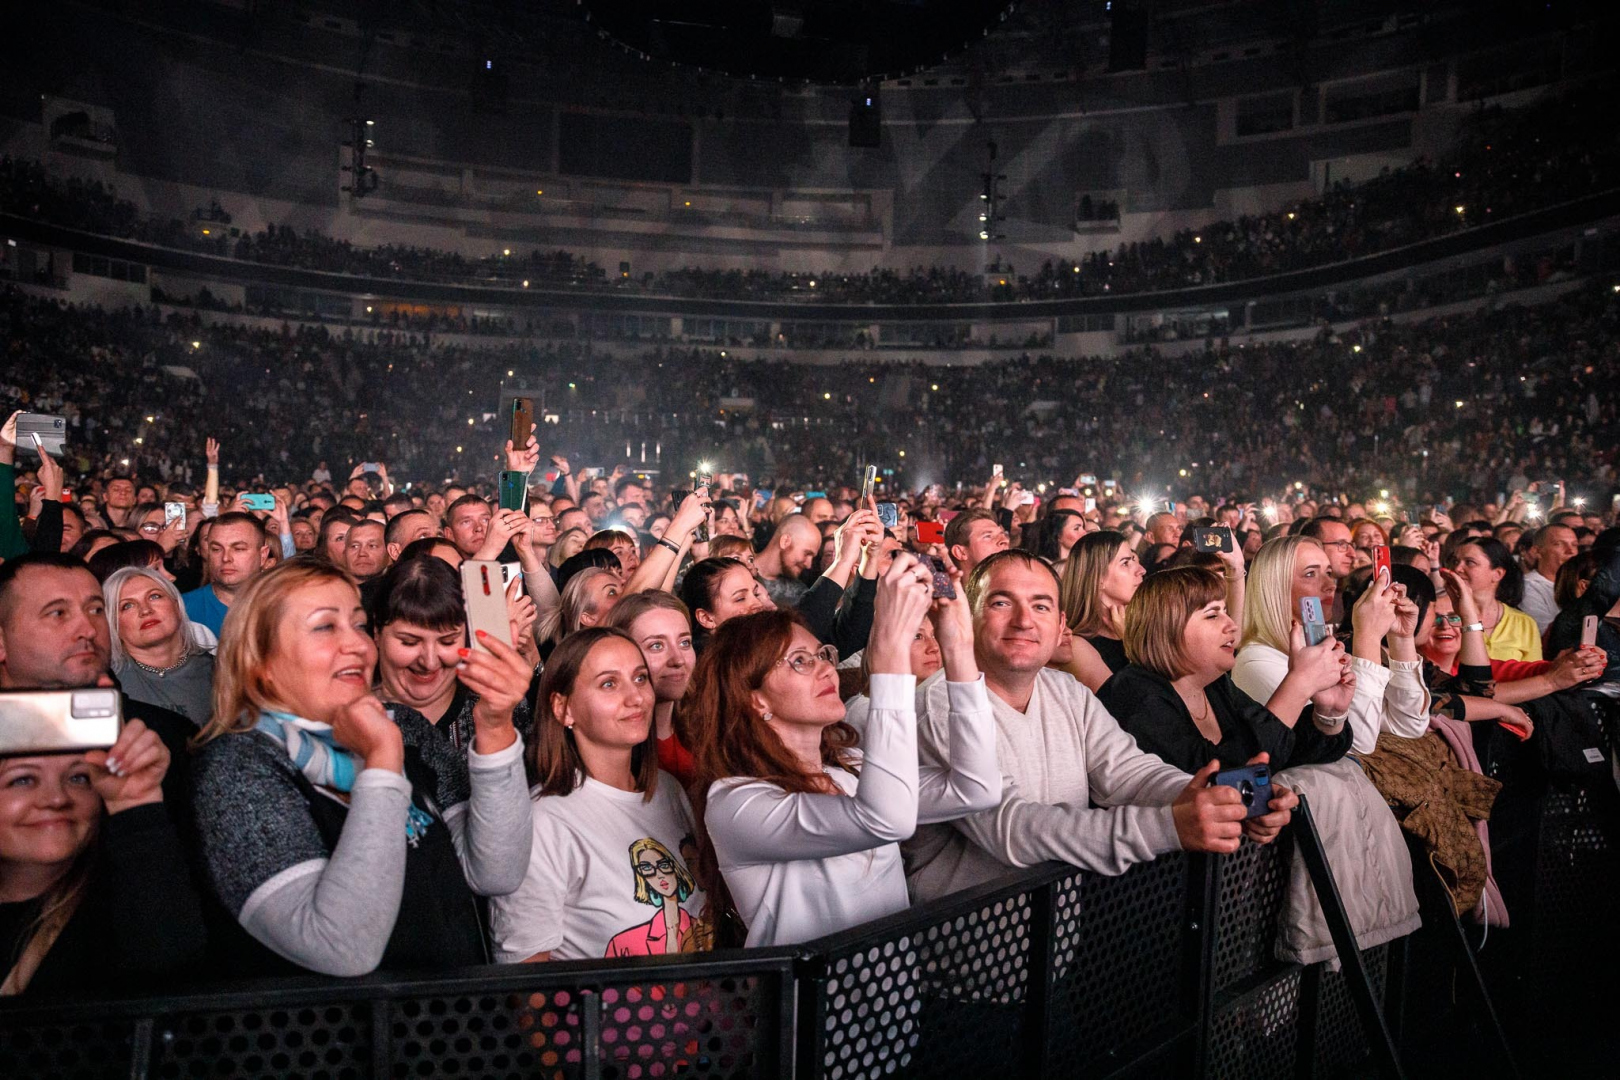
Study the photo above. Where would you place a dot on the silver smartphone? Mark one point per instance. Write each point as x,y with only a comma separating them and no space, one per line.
51,432
484,599
58,721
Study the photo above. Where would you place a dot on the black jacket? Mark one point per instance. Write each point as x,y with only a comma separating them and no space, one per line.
1148,707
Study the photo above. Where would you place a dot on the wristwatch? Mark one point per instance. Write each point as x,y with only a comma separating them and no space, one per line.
1473,627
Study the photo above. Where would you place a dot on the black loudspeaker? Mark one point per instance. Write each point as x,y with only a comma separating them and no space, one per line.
1127,40
866,120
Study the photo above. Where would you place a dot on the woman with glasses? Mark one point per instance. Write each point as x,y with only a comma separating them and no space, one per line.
801,831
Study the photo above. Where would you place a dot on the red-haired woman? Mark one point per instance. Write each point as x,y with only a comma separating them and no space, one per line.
802,828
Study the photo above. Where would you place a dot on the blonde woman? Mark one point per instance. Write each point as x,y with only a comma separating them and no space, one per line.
332,832
1390,696
586,601
155,653
569,544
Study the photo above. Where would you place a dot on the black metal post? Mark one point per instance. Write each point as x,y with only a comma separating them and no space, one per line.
1201,908
1309,842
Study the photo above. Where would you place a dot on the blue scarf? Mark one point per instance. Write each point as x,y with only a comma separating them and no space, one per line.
324,763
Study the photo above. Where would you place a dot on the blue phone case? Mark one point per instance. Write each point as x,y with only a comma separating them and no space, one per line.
1253,783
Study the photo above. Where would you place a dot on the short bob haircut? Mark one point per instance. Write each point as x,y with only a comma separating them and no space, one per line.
555,762
1156,618
422,590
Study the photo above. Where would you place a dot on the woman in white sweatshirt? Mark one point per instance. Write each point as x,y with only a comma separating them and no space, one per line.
799,826
1390,693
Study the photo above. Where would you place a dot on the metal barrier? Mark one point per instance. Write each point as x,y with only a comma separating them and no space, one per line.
1168,969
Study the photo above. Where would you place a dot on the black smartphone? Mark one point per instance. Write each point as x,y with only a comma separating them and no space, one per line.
1218,538
522,421
1253,783
943,589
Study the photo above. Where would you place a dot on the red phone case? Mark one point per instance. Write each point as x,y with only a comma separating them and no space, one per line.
930,532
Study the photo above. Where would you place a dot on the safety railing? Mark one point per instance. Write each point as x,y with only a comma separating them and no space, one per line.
1168,969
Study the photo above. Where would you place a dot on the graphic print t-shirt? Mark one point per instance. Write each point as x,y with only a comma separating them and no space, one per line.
608,876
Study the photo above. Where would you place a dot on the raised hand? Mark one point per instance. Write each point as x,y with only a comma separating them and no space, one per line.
903,596
525,458
211,450
502,527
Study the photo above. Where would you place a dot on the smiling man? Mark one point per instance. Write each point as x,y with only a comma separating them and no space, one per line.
1059,752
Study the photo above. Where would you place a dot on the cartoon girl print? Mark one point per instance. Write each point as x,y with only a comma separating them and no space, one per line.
662,881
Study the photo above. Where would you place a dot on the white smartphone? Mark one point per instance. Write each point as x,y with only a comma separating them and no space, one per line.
483,594
55,721
1589,628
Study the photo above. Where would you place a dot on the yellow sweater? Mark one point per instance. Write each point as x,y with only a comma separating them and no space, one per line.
1515,637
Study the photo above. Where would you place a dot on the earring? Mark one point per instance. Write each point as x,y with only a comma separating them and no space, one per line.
767,717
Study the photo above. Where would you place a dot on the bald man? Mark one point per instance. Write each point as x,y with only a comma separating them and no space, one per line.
790,552
818,510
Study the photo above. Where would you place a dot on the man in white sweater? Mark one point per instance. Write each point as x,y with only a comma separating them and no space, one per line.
1059,750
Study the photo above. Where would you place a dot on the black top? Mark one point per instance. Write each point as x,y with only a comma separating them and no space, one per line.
1112,651
176,732
1148,707
139,926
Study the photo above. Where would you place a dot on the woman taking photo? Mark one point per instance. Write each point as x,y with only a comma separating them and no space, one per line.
420,627
612,834
94,888
155,651
661,627
1389,695
331,833
801,827
1488,568
1177,698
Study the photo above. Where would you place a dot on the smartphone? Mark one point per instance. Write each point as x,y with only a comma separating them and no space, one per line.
1381,561
930,532
943,589
762,496
1091,505
52,432
1218,538
705,480
1311,618
55,721
1026,498
815,494
945,516
483,596
1589,628
370,467
889,514
522,421
514,489
173,511
592,473
1068,491
1253,783
869,483
259,502
995,470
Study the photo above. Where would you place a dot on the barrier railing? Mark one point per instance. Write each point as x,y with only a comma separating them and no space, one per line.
1168,969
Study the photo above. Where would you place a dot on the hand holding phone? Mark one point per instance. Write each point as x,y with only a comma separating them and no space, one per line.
1253,783
1589,630
1311,618
869,483
930,532
483,595
1381,563
1217,538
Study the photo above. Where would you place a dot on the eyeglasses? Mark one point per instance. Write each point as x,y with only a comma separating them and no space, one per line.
1334,543
803,662
543,517
662,866
1445,620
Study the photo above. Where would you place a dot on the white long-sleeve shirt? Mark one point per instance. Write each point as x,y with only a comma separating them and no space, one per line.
1392,698
1064,751
800,866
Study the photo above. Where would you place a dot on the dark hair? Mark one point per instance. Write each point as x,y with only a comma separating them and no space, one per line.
73,508
238,517
1582,567
1401,555
423,590
600,557
1052,526
697,587
81,547
11,568
1510,590
128,553
468,499
1316,526
1418,588
424,547
554,762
